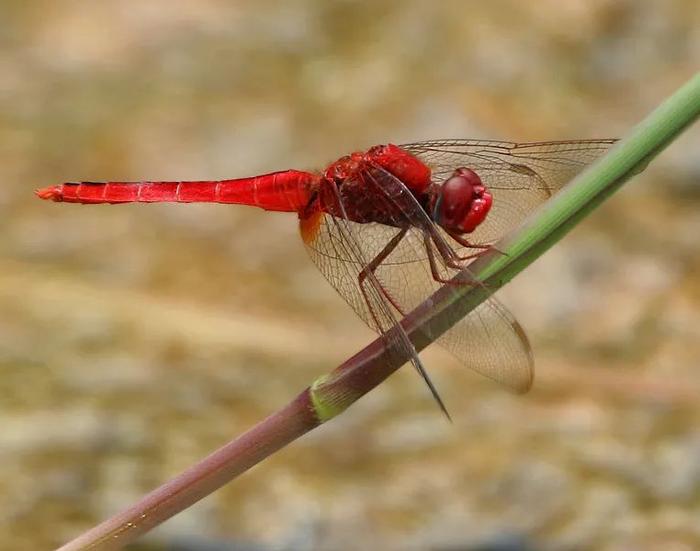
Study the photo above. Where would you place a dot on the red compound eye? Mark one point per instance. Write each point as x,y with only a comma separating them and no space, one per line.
463,202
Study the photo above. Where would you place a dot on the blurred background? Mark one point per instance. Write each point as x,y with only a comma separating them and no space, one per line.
136,339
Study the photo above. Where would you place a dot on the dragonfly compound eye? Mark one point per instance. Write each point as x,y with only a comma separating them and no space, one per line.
463,202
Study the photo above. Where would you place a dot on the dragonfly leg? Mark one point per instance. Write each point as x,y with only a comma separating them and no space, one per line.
434,268
467,244
376,262
448,255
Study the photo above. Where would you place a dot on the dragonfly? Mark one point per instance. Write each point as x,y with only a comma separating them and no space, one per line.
390,225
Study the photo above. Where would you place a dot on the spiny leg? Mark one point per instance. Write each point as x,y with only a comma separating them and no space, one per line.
434,268
467,244
376,262
436,273
433,265
448,255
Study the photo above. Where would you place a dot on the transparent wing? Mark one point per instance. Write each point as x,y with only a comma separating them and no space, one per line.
488,340
342,257
521,176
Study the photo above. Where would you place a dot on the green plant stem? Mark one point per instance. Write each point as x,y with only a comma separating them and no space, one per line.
333,393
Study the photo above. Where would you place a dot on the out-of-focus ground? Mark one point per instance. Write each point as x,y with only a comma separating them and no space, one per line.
136,339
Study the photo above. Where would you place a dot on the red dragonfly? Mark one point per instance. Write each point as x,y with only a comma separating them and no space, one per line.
390,225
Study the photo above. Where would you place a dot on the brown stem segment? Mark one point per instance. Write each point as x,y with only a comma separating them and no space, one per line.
236,457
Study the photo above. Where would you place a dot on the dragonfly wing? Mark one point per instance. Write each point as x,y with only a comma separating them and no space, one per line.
520,176
488,340
491,342
341,254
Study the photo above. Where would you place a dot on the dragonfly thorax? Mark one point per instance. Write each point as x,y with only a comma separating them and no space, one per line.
354,184
414,174
459,204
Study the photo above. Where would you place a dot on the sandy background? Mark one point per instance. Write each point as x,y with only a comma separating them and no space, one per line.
135,339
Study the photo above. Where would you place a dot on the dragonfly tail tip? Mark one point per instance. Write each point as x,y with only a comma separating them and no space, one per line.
51,193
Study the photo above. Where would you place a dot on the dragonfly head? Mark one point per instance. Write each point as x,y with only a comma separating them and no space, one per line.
406,167
462,202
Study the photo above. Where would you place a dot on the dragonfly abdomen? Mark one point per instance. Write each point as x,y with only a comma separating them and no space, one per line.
287,191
